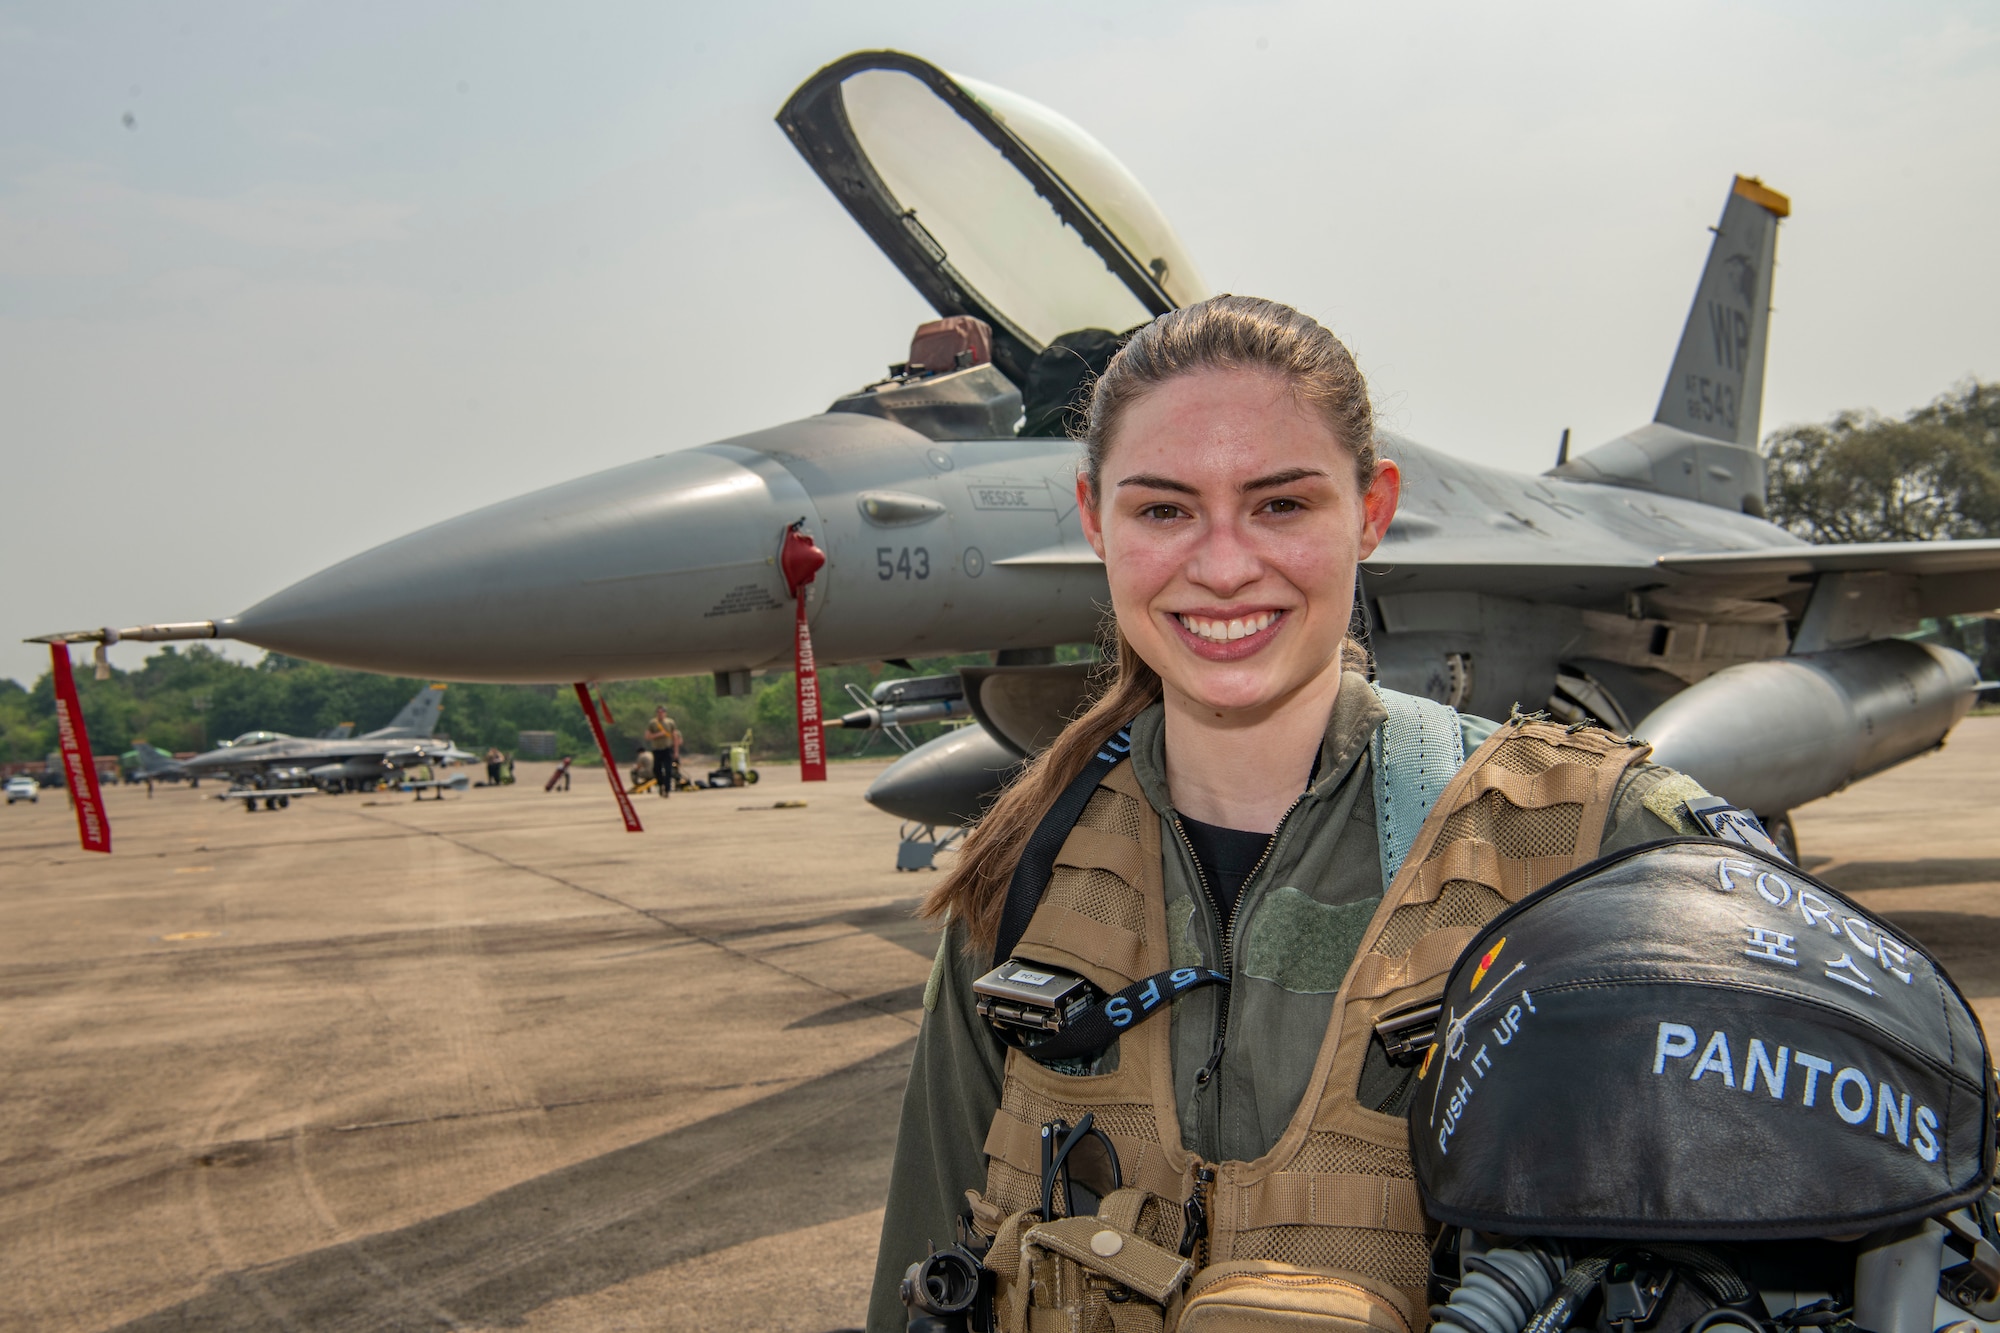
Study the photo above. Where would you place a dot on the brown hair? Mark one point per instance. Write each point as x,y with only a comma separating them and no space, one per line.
1221,333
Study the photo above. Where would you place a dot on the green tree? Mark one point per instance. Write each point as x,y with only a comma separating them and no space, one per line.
1861,477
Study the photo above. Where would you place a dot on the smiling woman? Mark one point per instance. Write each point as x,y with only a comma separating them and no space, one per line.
1229,477
1239,826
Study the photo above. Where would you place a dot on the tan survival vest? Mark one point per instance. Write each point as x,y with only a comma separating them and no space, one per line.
1326,1227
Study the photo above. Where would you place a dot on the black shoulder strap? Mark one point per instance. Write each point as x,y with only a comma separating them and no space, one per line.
1038,859
1097,1029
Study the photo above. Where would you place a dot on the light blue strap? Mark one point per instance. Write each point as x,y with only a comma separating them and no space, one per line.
1415,753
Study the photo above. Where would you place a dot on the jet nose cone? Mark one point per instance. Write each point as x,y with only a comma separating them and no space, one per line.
661,567
947,781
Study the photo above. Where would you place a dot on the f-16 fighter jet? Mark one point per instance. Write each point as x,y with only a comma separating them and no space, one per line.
1635,584
261,760
144,763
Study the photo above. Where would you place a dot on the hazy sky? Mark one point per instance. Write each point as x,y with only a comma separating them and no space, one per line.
279,282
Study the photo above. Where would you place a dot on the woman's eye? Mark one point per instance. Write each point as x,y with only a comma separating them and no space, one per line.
1160,512
1283,506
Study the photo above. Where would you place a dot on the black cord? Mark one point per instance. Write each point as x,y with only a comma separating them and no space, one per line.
1358,627
1708,1269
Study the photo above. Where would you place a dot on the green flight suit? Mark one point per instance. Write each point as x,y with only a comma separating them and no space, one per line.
1298,922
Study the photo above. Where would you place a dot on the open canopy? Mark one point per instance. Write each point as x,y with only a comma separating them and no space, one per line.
990,204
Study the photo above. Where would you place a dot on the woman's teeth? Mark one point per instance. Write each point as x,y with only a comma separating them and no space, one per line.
1221,631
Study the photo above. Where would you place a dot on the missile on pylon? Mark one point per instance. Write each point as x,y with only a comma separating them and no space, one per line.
906,701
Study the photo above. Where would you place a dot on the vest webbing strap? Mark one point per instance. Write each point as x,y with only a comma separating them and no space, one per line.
1331,1199
1038,859
1417,750
1102,1025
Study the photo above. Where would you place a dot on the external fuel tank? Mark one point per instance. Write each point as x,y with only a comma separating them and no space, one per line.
1770,736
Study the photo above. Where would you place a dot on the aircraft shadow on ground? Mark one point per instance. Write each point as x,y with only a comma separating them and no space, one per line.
1857,876
812,1154
1965,944
899,1001
896,923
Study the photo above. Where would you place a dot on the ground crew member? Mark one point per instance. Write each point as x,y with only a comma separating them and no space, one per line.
494,761
1240,818
663,738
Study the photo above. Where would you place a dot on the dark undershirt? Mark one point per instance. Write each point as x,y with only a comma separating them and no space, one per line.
1225,856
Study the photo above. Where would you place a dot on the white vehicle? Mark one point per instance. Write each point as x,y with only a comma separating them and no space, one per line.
23,789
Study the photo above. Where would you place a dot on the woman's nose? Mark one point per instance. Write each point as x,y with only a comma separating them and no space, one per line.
1226,561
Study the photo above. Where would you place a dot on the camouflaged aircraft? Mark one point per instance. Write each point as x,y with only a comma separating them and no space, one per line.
1635,584
266,760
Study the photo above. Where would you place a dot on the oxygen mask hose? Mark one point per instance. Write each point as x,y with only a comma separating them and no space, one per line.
1502,1288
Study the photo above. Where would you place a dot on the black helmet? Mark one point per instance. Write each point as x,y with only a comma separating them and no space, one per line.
1692,1040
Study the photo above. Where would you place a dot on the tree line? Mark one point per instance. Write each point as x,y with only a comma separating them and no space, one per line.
183,699
1931,475
1928,476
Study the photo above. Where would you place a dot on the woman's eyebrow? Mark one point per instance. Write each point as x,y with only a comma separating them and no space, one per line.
1153,482
1284,477
1281,478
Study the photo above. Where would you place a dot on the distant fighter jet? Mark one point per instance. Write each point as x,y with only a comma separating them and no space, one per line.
1636,584
144,763
270,759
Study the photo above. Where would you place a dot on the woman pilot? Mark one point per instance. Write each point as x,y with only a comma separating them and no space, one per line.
1231,485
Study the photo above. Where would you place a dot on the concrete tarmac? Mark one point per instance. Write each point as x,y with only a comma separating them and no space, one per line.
374,1063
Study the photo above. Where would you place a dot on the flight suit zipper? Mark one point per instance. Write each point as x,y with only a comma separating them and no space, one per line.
1207,1071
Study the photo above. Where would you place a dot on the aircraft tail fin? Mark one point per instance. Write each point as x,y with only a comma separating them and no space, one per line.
1702,441
419,716
1716,387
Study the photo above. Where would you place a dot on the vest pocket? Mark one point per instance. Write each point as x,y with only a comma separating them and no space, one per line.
1088,1274
1257,1296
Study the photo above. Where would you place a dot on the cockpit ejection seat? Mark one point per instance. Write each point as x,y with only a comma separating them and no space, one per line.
957,342
949,389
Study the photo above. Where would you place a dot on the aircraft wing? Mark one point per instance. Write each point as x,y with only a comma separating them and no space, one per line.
402,756
1949,577
1052,557
1509,570
1928,578
1919,558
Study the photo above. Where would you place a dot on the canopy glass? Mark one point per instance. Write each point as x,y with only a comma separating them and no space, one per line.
991,204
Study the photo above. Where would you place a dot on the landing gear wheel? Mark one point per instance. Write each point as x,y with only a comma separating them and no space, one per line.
1781,831
750,777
